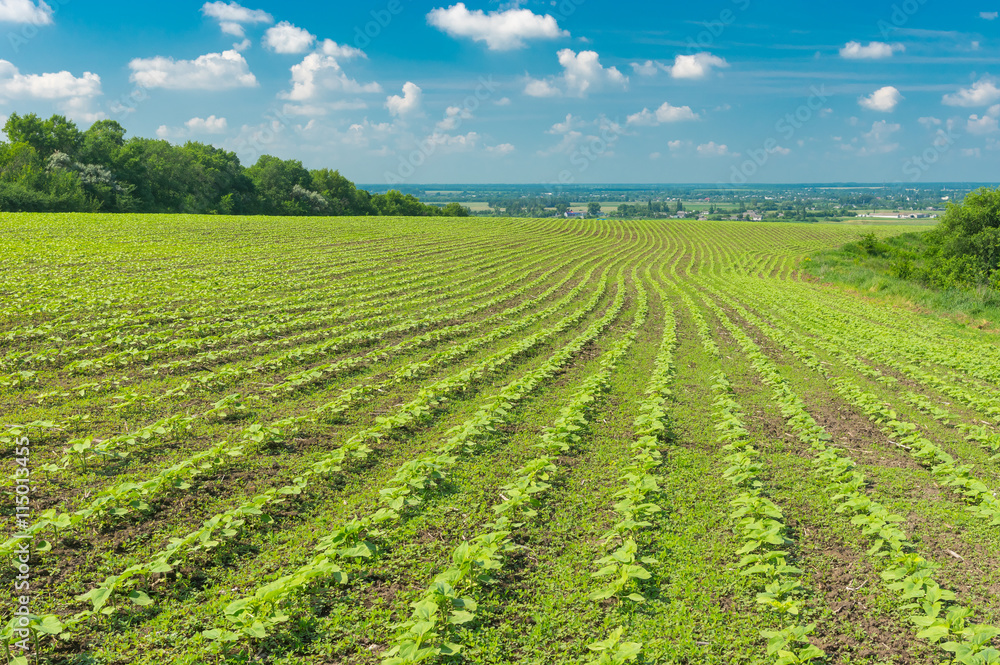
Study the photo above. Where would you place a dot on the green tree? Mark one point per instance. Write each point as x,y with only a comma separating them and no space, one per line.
274,180
45,136
969,236
102,144
455,210
594,209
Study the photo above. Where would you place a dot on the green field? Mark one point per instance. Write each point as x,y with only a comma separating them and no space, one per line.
389,440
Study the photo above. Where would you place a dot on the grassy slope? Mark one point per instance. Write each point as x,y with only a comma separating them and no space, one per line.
849,266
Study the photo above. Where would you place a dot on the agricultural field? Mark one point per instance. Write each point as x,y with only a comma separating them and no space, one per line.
432,440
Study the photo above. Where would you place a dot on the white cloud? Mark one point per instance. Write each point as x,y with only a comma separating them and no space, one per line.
584,70
213,71
454,143
501,30
874,50
571,123
695,66
232,16
408,103
989,16
342,51
313,110
971,152
320,73
655,155
713,149
79,109
25,11
929,122
539,88
500,150
648,68
453,117
582,73
573,137
884,100
362,134
879,139
666,113
242,46
503,101
986,124
55,85
982,93
678,145
287,38
209,125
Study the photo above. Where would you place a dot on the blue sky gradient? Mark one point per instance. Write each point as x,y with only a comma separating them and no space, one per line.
578,91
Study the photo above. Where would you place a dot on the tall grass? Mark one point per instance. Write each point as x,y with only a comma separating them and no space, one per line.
851,266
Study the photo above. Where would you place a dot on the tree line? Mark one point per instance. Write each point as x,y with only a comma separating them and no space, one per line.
961,252
52,166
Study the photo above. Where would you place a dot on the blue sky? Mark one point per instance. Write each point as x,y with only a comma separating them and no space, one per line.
572,91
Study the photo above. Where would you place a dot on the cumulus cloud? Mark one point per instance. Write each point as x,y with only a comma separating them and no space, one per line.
55,85
929,122
989,16
342,51
648,68
212,71
25,11
571,123
879,139
713,149
540,88
453,117
696,66
573,137
287,38
884,99
210,125
874,50
500,150
232,16
985,124
971,152
582,73
665,113
678,145
407,104
501,30
195,126
981,93
319,73
79,109
454,143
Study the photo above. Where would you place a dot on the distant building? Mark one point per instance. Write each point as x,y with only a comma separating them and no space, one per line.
574,215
